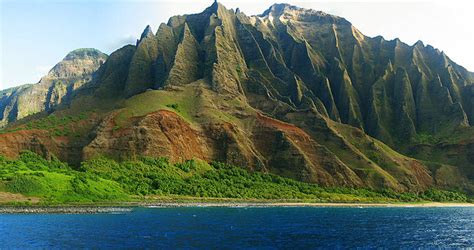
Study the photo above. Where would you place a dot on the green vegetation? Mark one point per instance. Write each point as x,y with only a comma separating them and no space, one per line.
183,104
102,179
174,106
341,90
426,139
186,103
54,181
56,125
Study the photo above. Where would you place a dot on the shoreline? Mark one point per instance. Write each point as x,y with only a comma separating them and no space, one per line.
120,208
304,204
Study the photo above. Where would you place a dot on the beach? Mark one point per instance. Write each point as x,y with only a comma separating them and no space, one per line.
127,207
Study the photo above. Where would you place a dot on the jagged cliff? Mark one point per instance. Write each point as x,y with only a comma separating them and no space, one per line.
296,92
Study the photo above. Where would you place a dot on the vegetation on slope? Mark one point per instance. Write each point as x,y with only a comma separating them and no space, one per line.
54,181
191,102
218,69
57,124
103,179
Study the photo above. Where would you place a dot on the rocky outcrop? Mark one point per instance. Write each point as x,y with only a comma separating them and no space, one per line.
160,133
57,86
148,32
9,104
40,142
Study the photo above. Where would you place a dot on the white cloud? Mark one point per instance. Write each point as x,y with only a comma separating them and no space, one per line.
111,47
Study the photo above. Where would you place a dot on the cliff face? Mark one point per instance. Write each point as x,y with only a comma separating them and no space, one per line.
8,107
309,60
68,75
295,92
389,89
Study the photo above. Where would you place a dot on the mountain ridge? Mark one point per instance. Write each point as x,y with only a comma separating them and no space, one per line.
71,73
295,92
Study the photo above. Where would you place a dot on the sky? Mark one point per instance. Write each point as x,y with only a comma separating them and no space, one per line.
36,34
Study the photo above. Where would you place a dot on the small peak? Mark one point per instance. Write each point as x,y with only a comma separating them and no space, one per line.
187,31
292,12
214,5
148,32
77,63
430,47
186,28
278,9
162,26
214,8
83,53
282,6
379,37
419,43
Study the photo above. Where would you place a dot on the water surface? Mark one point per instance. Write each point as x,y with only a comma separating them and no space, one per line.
240,228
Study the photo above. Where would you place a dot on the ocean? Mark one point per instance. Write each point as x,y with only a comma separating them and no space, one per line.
244,228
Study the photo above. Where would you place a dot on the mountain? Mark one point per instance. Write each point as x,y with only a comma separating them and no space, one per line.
65,77
295,92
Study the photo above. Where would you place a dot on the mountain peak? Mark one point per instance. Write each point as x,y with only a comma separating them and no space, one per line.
85,53
294,76
214,8
78,62
147,32
419,43
291,12
278,9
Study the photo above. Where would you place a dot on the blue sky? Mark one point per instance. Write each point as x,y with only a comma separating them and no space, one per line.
36,34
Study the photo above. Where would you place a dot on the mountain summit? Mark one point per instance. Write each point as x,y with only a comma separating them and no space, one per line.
66,76
295,92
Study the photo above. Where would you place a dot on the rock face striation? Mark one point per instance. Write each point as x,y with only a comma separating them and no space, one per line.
57,86
295,92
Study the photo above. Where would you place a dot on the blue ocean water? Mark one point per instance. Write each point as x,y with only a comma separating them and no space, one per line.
243,228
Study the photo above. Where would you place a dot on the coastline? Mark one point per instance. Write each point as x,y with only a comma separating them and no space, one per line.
119,208
308,204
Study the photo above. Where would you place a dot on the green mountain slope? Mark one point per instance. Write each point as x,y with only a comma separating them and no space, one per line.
294,92
34,180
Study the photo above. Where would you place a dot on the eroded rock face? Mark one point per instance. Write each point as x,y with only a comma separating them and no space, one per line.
162,133
165,133
455,154
289,151
268,145
8,104
309,59
295,92
57,86
40,142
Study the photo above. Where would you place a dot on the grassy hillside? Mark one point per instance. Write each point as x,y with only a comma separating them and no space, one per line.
293,92
102,180
192,102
